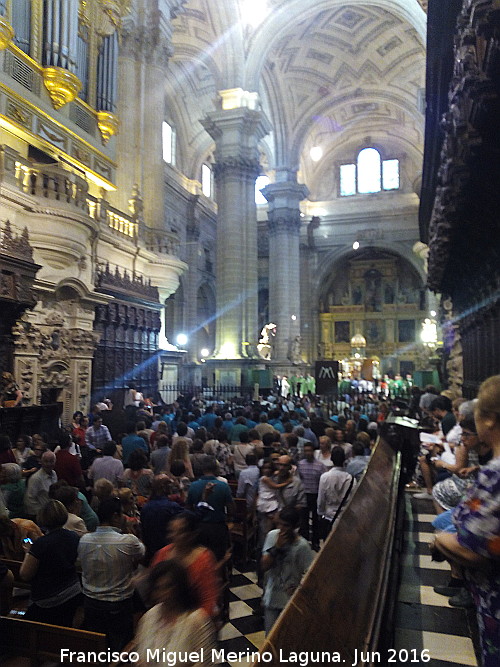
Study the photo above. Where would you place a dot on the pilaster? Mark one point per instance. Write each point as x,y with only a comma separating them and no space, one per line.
237,132
284,199
144,53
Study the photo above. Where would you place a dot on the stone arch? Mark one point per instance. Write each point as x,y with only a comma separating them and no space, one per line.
56,384
337,254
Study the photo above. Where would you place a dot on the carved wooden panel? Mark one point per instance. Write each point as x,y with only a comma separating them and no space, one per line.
129,340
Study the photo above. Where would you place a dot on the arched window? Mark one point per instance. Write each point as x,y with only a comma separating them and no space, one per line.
369,174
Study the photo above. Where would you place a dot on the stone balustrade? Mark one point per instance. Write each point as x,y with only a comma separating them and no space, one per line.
65,188
62,187
160,241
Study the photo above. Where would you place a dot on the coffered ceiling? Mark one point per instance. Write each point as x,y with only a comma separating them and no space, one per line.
329,74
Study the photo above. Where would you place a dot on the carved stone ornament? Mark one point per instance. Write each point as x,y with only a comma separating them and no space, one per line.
50,342
110,18
83,386
136,204
25,378
237,165
55,376
54,319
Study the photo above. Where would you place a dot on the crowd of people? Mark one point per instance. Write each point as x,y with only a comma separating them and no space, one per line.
137,525
458,468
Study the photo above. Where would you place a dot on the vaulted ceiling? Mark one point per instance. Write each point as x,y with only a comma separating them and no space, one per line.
328,74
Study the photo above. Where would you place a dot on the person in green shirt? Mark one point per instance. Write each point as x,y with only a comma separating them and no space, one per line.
310,384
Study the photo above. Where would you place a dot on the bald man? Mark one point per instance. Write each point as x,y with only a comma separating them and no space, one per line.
38,486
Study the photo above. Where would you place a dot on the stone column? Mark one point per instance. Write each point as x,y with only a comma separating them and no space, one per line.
237,131
284,198
143,57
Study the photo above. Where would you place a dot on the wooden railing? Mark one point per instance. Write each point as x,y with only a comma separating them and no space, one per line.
340,605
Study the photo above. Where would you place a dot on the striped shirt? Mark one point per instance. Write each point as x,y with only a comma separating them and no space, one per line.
310,472
108,561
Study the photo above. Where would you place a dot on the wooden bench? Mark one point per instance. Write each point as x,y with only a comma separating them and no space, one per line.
39,642
242,528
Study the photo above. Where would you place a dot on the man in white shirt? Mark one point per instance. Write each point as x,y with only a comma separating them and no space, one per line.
107,466
109,559
334,489
37,494
248,480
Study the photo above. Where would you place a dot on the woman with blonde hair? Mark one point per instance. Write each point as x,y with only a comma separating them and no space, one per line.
324,452
180,452
131,516
476,544
103,489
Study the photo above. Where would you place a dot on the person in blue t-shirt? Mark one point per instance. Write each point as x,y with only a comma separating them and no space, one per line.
132,441
212,529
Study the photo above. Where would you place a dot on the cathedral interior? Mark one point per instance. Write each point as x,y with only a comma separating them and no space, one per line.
219,193
176,175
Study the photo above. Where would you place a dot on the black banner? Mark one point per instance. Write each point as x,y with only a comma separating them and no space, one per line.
326,373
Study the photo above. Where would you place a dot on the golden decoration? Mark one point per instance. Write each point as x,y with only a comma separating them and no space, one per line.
110,18
6,33
108,125
18,114
63,85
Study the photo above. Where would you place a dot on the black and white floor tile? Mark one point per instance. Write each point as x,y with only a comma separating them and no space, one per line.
424,619
245,631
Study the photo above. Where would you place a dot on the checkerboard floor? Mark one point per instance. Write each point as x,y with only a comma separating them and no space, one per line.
424,619
245,631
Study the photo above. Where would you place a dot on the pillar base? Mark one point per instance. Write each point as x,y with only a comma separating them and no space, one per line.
242,373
